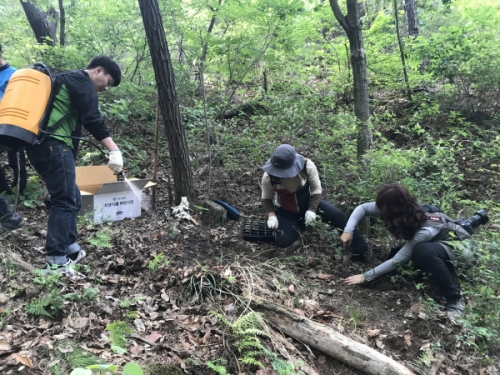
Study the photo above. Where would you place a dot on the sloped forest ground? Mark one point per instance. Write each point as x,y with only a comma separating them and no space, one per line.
168,279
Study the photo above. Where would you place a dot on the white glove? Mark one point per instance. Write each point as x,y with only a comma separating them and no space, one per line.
115,162
272,222
310,217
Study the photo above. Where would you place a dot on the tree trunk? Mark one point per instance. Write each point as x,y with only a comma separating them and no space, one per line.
204,51
401,50
352,26
168,102
62,24
329,341
411,18
42,23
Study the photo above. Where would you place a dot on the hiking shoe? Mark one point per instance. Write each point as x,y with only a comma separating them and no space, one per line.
10,224
68,268
65,269
76,257
455,308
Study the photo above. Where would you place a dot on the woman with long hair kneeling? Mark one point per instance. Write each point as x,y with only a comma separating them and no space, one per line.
426,241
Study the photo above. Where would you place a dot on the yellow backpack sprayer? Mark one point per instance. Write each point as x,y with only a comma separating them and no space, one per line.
25,107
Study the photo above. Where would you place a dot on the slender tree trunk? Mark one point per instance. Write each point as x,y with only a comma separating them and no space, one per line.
42,23
62,24
352,26
411,18
204,50
168,102
401,51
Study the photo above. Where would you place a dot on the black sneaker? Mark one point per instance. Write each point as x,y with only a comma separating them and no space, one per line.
10,224
455,308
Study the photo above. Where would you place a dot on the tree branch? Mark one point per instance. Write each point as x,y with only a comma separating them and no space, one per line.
339,15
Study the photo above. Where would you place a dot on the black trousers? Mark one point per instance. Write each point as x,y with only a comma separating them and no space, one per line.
431,257
291,224
21,176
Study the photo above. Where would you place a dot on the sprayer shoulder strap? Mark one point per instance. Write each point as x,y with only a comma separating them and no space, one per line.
56,87
58,123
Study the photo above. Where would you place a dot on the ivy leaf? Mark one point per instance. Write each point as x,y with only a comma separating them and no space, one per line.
118,349
103,367
132,368
81,371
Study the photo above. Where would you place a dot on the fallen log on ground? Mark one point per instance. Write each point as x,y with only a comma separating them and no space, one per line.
329,341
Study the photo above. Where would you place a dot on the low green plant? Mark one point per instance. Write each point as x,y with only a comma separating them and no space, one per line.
218,365
430,306
52,301
76,357
49,305
90,294
32,195
480,284
4,314
117,338
245,332
9,267
86,219
405,273
426,359
128,302
355,315
158,261
101,240
285,368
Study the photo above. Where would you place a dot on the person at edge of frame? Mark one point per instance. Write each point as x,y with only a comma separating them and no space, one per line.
9,220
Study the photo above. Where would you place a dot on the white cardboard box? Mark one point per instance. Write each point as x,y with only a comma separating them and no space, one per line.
107,198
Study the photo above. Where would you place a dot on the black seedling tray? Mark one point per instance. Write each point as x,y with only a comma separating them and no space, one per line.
254,229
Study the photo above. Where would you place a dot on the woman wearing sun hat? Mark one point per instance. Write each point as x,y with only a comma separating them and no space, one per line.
294,181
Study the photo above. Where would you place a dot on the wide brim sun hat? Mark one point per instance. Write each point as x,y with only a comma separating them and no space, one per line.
284,162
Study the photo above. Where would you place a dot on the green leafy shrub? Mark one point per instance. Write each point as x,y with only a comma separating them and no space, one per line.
118,330
481,284
32,195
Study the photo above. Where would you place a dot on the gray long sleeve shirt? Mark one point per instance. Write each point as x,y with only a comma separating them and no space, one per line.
424,234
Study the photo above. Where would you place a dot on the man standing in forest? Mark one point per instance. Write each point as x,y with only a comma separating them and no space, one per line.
9,220
75,104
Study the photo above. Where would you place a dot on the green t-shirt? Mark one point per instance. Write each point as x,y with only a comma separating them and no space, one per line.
62,105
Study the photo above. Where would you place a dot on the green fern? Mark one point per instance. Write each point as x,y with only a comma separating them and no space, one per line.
222,319
101,240
249,360
246,331
117,331
90,294
218,368
37,307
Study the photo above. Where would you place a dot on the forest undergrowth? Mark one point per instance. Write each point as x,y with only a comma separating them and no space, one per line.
159,290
